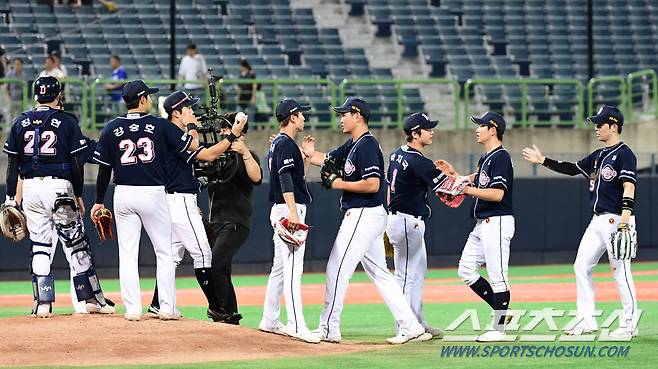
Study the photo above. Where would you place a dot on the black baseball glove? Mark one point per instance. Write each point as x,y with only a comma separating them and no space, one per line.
330,171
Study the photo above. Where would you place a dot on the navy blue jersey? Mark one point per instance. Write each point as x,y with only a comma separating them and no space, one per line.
607,169
137,146
362,159
409,174
180,172
285,156
44,140
494,171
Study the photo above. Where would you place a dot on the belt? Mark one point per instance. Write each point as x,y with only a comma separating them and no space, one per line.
45,177
411,215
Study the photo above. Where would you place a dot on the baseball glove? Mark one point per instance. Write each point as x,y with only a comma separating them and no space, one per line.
103,223
388,246
330,171
624,242
453,185
12,223
293,239
451,201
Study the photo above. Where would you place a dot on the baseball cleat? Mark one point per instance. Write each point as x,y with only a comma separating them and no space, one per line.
216,315
402,338
43,311
277,328
152,312
326,338
306,336
133,317
95,308
167,316
233,318
623,333
492,336
435,332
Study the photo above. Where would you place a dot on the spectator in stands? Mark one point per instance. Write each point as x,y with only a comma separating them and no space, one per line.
116,89
50,69
193,68
247,91
57,57
13,92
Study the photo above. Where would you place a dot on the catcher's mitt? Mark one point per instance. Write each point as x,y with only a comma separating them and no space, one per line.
624,242
451,201
330,171
293,239
388,246
12,223
103,223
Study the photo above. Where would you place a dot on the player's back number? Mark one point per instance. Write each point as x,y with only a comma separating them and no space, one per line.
129,148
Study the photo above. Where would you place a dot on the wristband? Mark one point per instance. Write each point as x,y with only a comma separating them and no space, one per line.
627,203
191,126
231,137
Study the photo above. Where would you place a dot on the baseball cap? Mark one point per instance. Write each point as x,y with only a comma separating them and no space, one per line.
178,100
607,114
354,104
288,107
492,119
133,90
418,121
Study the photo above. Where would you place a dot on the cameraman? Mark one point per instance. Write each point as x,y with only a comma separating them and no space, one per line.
231,204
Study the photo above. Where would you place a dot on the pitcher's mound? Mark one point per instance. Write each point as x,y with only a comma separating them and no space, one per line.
105,340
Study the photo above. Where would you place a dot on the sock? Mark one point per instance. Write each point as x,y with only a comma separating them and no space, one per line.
204,277
483,289
156,300
501,304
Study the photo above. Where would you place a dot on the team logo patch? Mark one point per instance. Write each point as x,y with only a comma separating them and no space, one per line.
484,179
611,220
349,168
608,173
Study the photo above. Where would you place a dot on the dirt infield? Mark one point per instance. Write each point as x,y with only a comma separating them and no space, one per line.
75,340
365,293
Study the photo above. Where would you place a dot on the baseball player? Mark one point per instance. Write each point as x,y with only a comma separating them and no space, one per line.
611,172
136,147
489,242
360,237
290,195
46,147
188,232
409,175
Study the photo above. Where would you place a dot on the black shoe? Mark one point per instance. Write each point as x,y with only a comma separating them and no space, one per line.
234,319
109,302
217,315
152,311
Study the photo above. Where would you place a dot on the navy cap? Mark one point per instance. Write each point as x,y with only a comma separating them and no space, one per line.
178,100
607,114
491,119
418,121
354,104
288,107
134,90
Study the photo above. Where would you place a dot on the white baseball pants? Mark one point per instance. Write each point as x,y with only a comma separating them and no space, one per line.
285,276
595,242
187,231
488,243
135,206
360,240
407,234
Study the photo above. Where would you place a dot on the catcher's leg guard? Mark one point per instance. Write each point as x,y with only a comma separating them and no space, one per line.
69,223
43,290
88,288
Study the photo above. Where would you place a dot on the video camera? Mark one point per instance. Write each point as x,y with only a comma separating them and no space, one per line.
211,125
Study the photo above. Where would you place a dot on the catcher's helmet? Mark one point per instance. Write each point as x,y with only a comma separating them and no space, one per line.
46,89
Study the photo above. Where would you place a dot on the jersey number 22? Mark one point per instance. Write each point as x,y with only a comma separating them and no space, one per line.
129,147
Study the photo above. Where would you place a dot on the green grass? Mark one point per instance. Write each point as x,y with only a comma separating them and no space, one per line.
373,323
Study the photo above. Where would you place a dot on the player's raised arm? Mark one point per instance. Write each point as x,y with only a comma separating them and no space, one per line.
310,154
213,152
533,155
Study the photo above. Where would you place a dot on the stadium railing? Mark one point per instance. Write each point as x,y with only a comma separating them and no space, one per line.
24,96
514,106
610,90
642,92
